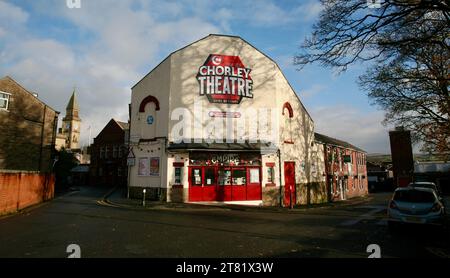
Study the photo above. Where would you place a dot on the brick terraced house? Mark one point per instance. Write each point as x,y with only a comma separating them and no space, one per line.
345,167
27,129
109,155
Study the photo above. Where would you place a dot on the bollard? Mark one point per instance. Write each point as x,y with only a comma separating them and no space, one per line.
143,199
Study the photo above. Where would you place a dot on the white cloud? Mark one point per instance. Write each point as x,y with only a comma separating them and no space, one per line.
11,15
312,91
124,38
360,128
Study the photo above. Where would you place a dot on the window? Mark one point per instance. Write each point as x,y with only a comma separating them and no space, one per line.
4,100
100,172
331,185
288,115
224,177
254,175
102,152
210,176
119,172
270,175
106,152
196,177
239,177
115,151
121,151
177,175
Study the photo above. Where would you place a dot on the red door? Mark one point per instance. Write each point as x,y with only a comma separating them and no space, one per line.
239,184
209,184
289,184
195,184
254,183
224,184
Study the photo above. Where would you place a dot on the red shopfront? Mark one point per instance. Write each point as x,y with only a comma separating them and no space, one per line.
224,177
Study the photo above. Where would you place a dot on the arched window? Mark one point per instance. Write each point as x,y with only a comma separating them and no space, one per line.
288,115
147,100
148,118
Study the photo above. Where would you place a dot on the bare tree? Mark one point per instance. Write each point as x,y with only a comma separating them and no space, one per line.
406,45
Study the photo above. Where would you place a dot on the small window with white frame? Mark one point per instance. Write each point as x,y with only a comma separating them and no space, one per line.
4,100
177,175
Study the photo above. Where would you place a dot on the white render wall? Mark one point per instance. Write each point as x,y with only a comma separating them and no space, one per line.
175,85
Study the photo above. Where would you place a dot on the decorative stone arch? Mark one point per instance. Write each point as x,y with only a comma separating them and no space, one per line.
288,106
147,100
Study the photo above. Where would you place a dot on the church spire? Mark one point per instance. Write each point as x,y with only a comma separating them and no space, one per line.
73,103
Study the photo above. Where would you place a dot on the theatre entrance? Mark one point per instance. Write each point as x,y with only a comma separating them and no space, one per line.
224,177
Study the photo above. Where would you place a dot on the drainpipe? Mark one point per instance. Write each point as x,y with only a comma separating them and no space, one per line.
279,170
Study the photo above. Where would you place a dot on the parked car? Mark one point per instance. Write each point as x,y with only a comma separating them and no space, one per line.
417,205
427,184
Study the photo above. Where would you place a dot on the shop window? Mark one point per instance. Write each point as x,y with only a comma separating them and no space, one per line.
254,175
224,177
4,100
196,177
270,175
177,175
210,176
239,177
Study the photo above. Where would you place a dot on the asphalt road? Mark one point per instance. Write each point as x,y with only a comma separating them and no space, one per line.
103,231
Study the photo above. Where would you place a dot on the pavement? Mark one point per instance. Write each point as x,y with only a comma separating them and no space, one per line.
103,230
117,197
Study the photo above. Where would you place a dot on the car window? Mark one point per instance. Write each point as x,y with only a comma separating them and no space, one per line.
414,196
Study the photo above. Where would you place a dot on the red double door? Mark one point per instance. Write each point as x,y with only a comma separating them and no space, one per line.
207,184
289,184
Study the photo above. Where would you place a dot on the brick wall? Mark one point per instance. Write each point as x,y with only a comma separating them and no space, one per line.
105,170
19,190
27,130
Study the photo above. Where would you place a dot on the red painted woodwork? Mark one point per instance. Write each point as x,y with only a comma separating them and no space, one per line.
254,187
195,187
289,183
206,187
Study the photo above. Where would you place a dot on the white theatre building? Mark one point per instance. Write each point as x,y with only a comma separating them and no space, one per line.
217,121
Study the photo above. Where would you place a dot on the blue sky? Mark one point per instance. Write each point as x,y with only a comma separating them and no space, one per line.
106,46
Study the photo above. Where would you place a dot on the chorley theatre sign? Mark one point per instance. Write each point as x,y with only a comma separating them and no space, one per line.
225,79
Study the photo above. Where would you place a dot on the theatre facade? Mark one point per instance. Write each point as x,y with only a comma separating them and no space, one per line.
217,121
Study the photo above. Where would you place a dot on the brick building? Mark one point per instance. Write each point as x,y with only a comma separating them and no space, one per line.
345,168
27,129
109,155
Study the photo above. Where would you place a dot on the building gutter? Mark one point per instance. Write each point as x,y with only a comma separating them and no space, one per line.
279,170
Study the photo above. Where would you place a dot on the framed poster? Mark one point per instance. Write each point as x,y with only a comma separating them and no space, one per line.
154,166
143,167
254,175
